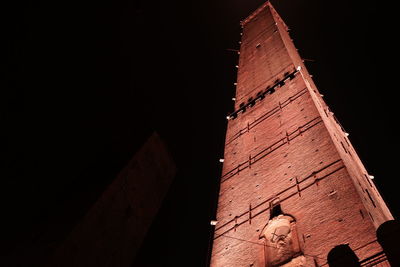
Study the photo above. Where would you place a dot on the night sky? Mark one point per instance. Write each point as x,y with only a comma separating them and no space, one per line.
88,82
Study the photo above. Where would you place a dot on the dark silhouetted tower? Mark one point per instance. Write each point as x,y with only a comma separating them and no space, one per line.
293,189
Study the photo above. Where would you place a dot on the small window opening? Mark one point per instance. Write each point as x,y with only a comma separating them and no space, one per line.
242,107
251,101
271,90
276,211
275,207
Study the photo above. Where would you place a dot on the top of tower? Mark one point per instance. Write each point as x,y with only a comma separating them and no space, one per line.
258,10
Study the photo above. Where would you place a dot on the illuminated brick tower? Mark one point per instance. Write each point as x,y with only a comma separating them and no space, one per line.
292,186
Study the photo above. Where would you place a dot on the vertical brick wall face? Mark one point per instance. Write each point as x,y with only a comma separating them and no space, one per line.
262,49
288,146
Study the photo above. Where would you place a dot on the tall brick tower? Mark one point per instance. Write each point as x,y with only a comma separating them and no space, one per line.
292,186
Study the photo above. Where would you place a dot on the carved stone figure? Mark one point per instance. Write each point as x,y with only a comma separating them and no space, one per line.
281,242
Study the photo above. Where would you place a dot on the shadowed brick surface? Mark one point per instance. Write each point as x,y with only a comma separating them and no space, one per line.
113,230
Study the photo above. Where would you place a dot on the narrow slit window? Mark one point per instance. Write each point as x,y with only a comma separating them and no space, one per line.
370,198
370,215
345,139
344,148
369,182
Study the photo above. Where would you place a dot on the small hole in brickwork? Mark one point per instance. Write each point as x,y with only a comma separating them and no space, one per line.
316,150
340,220
286,155
258,230
258,45
321,162
257,185
302,109
362,214
285,174
289,167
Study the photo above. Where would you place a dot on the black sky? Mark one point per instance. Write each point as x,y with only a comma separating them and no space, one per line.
87,83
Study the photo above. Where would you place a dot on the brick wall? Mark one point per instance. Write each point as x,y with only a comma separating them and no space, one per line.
288,146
